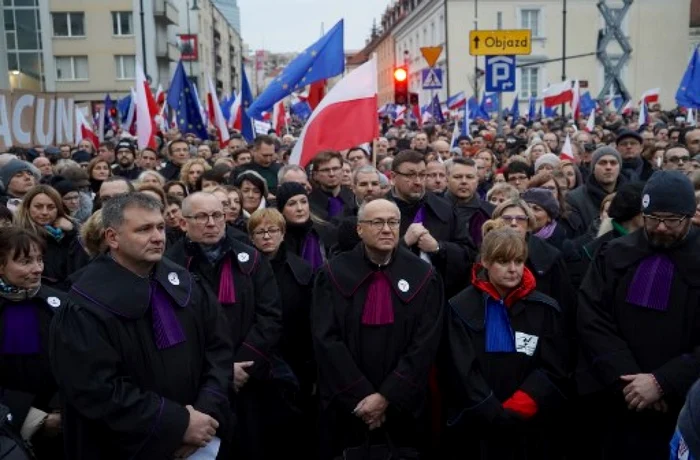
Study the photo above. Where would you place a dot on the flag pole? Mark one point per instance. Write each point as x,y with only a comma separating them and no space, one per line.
374,153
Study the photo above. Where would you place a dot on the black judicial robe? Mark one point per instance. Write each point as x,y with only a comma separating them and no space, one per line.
471,215
620,337
477,382
455,257
125,397
255,319
357,360
318,202
25,375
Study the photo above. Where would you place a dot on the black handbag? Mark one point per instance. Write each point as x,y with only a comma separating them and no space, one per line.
385,451
12,446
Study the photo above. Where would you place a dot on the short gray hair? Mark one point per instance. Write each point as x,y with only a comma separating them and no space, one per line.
366,169
361,211
113,209
285,169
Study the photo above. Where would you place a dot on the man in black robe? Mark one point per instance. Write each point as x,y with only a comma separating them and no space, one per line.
639,325
376,323
248,293
140,352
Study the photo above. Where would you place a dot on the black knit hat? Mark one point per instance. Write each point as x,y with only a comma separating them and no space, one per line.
82,156
287,191
544,199
625,205
125,144
64,187
669,191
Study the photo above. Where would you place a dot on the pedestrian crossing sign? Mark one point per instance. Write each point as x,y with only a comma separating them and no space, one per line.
432,78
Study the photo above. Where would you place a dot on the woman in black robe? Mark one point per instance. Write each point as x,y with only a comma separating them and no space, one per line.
295,423
29,389
505,358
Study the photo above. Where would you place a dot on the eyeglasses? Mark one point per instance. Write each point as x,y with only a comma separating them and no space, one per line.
412,176
683,159
518,218
378,224
669,222
71,198
202,217
334,169
271,232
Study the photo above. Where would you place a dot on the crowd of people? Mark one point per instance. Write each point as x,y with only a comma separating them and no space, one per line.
491,299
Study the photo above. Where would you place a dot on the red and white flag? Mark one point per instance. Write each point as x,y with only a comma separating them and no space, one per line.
576,102
234,120
160,96
146,110
558,94
216,116
279,117
567,152
84,129
650,96
345,117
590,124
627,109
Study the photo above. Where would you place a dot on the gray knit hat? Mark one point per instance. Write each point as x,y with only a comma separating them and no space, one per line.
669,191
605,151
11,169
547,159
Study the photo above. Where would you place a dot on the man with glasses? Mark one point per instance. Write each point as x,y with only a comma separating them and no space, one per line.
328,199
376,320
677,158
638,322
630,145
126,156
245,285
429,226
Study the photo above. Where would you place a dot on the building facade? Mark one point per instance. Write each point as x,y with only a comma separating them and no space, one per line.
232,13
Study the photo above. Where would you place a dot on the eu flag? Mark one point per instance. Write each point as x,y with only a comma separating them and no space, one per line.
323,59
515,111
688,94
436,110
182,98
246,100
587,103
532,109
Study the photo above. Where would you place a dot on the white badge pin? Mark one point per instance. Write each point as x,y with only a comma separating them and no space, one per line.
174,280
403,286
645,201
54,302
243,257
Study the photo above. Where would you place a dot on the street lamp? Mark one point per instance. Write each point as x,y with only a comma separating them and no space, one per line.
195,7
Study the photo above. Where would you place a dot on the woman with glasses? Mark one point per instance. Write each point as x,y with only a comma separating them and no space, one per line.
294,276
506,362
42,213
307,237
26,310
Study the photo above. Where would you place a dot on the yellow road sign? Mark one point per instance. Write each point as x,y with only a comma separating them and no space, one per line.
431,54
500,42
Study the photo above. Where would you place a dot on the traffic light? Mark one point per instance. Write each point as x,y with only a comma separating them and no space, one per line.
401,85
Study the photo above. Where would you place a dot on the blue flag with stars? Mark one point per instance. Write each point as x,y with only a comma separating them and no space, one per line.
247,130
688,94
182,98
323,59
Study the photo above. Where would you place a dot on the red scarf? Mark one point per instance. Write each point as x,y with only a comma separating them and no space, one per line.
526,286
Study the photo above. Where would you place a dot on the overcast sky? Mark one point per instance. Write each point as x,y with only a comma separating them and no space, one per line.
293,25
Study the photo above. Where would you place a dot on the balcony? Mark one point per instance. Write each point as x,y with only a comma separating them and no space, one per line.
167,50
166,11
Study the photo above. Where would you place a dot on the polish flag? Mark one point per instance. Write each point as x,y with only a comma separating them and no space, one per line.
650,96
160,96
400,115
146,110
590,124
558,94
216,116
627,109
346,116
567,152
85,129
234,120
576,102
279,117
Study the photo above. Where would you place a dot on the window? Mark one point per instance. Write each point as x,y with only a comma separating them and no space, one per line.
530,19
71,68
68,24
529,82
122,23
126,66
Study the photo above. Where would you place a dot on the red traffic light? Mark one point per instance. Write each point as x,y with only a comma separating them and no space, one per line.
400,74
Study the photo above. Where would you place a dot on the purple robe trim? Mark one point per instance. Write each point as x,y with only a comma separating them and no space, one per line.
420,216
475,224
379,308
166,327
311,251
651,285
335,206
21,330
227,291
